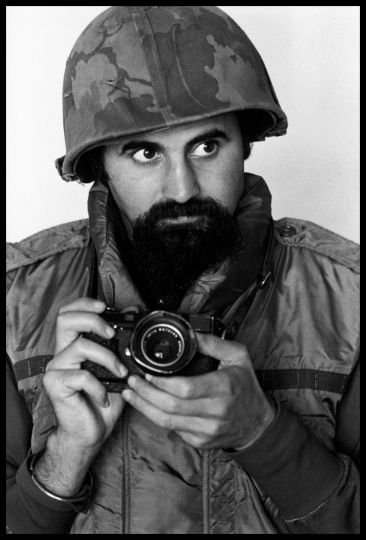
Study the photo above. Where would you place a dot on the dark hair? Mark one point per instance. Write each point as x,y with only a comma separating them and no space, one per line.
90,166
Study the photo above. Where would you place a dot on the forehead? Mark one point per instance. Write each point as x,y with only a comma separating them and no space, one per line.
228,123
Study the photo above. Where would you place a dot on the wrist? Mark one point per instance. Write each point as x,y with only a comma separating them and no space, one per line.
78,501
267,419
63,466
61,439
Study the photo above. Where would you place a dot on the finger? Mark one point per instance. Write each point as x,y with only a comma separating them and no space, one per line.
84,304
194,439
197,386
169,403
71,323
230,353
129,309
64,384
163,419
84,349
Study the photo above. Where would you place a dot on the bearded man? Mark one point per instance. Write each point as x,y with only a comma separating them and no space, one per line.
178,363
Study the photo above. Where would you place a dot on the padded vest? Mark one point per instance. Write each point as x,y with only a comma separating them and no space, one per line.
301,331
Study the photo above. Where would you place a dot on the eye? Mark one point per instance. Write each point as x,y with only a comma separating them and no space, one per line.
146,155
205,149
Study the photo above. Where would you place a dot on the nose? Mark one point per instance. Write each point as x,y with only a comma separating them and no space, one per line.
181,183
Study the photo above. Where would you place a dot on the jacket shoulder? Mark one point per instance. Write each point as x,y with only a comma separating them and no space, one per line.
306,234
46,243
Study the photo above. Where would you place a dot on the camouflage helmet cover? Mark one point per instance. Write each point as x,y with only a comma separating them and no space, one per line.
139,68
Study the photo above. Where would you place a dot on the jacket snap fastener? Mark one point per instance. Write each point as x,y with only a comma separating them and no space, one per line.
288,230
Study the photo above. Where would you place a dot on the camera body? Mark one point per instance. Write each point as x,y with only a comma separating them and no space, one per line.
156,342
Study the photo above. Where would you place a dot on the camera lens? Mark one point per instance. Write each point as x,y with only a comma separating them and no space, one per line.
161,350
162,345
163,342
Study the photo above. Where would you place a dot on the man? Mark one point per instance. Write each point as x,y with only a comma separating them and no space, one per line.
161,105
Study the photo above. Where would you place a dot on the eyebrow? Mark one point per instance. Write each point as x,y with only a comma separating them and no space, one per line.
211,134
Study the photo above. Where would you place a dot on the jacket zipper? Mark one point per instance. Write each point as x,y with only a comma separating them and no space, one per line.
126,472
206,490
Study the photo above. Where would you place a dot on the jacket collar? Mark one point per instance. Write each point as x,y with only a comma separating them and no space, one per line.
214,291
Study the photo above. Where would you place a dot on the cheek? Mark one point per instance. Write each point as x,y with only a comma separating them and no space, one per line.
132,194
229,184
234,180
131,201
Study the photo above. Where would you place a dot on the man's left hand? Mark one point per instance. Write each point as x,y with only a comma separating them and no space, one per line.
222,409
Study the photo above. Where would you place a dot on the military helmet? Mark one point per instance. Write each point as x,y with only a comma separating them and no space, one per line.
140,68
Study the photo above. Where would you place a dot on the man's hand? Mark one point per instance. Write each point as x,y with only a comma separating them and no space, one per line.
222,409
85,413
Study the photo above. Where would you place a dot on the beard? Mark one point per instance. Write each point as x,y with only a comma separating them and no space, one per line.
169,255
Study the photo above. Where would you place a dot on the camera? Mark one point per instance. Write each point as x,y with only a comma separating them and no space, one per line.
156,342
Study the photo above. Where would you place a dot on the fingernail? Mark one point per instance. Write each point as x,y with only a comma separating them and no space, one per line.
123,370
132,381
110,331
126,394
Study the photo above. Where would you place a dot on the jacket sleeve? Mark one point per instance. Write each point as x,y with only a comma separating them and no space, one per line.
314,491
28,510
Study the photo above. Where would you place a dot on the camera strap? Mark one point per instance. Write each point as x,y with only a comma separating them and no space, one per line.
273,379
95,289
237,312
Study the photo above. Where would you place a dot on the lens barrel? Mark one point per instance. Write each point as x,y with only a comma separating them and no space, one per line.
163,342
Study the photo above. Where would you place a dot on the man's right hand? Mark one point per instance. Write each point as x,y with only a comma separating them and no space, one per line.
85,413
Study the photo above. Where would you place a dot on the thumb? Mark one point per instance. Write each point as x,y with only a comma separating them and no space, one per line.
130,309
230,353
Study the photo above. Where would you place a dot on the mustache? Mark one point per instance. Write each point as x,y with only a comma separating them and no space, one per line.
169,209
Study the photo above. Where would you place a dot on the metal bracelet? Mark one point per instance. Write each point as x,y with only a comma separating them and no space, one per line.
82,495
